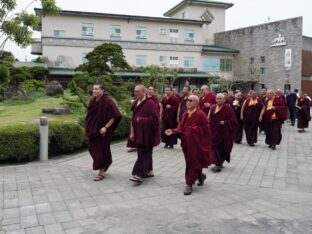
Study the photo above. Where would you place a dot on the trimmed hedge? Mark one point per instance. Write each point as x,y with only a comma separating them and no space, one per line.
123,129
65,138
21,142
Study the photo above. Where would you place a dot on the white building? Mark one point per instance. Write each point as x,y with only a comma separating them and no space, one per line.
182,40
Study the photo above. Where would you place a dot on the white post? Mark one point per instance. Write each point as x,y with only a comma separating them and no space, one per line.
44,141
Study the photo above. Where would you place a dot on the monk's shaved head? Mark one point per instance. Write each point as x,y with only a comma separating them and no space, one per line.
140,87
140,91
205,87
194,98
220,95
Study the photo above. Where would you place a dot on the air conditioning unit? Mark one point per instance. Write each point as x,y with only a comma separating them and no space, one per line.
115,35
189,39
86,33
141,36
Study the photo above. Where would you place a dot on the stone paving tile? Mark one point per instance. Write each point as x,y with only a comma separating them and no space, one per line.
260,191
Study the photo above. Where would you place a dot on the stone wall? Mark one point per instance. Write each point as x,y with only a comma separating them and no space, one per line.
255,42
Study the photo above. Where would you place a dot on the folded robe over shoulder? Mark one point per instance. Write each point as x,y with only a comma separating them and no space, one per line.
195,137
223,135
145,123
99,113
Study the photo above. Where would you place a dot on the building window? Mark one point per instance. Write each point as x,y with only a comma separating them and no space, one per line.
174,62
141,33
262,59
183,15
84,59
163,59
59,33
252,71
189,62
87,30
174,30
211,64
60,64
115,31
251,60
262,70
174,35
226,65
188,35
163,31
141,60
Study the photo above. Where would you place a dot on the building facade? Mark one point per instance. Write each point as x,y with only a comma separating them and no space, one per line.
306,82
182,41
270,54
190,39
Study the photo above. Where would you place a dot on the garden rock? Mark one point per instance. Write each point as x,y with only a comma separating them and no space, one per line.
54,88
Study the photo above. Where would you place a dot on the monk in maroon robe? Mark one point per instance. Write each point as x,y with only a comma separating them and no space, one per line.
207,99
237,106
145,132
303,112
263,98
223,124
273,114
102,119
250,114
195,137
151,94
169,115
182,106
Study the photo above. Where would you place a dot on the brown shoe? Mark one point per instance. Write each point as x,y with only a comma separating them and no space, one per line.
201,180
188,190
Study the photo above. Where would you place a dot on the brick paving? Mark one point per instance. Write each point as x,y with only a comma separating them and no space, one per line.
260,191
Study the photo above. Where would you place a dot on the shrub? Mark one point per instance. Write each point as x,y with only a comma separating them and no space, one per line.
19,143
20,100
123,129
65,138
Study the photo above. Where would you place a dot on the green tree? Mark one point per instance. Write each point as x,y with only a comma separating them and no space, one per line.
41,59
39,73
17,27
104,59
19,75
158,77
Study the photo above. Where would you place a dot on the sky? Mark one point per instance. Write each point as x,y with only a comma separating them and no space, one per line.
244,13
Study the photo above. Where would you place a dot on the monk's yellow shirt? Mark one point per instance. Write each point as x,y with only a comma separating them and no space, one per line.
253,102
270,106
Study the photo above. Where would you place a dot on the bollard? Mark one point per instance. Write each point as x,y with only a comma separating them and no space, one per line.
44,134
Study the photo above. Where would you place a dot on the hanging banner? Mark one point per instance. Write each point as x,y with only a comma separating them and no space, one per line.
288,58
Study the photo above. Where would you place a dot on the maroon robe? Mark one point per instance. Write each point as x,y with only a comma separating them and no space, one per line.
240,127
209,98
99,113
263,100
251,116
145,123
303,114
222,136
155,99
169,118
182,106
273,127
194,132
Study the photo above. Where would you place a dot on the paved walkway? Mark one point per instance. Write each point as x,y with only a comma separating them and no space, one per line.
261,191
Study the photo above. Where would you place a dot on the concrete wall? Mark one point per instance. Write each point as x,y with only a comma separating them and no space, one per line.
307,43
254,42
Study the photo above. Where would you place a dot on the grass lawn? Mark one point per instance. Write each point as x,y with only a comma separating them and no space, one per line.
27,113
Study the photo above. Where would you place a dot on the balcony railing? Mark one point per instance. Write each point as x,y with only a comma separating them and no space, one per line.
36,47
